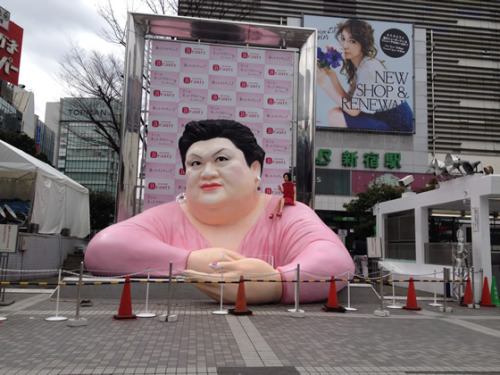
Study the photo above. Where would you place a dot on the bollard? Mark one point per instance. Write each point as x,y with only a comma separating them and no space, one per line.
296,312
57,318
349,308
147,314
221,311
169,317
78,322
435,304
394,305
381,311
446,278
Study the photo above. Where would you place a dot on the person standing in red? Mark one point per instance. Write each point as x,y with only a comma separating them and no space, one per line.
289,195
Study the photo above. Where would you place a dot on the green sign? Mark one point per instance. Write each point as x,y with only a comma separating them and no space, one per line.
371,160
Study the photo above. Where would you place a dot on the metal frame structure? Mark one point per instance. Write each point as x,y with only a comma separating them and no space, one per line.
143,27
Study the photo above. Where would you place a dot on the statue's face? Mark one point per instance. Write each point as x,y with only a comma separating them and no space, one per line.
217,173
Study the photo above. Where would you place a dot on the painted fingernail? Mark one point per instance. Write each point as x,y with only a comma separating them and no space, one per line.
214,265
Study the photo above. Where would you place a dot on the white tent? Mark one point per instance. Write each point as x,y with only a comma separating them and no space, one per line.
57,201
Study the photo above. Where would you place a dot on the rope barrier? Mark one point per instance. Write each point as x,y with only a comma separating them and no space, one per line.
144,281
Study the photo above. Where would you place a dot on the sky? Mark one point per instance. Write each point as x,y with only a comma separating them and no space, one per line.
49,26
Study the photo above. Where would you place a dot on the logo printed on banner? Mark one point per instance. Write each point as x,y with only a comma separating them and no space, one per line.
252,55
193,80
162,155
223,98
163,94
250,85
276,160
250,114
160,186
193,111
276,131
225,68
166,63
161,125
277,102
254,85
195,51
281,72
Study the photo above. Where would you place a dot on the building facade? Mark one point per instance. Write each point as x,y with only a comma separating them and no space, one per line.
82,154
457,101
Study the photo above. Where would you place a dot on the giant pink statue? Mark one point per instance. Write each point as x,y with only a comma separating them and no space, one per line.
221,224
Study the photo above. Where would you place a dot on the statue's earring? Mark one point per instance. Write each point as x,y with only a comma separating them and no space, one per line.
258,187
181,198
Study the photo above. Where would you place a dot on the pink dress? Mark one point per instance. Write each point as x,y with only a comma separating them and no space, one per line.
288,192
163,234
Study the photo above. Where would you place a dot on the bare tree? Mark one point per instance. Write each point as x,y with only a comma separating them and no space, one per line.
100,77
116,32
93,74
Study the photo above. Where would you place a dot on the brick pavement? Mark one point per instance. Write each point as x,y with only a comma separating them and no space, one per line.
466,341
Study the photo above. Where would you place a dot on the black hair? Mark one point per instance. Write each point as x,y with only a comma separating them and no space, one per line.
289,176
240,135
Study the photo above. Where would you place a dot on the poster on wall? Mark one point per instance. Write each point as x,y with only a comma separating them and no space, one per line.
365,74
8,238
191,81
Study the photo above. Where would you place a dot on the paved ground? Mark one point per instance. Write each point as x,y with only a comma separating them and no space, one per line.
271,341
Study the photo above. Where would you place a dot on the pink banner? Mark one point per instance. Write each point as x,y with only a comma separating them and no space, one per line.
194,82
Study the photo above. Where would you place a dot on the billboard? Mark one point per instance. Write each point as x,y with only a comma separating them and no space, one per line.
191,81
364,74
11,41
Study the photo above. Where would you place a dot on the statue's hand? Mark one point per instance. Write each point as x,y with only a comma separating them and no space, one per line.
256,292
204,260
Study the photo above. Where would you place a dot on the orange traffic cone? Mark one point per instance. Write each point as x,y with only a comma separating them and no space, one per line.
411,299
241,301
125,310
486,297
467,300
332,304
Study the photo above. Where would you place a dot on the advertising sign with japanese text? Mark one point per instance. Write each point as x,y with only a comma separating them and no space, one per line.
191,81
10,53
365,74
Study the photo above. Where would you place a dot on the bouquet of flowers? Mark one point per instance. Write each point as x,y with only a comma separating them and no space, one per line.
329,59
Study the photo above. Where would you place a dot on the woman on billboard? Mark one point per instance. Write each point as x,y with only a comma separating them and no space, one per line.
375,98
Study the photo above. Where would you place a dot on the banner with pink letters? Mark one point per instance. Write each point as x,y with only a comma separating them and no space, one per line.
190,81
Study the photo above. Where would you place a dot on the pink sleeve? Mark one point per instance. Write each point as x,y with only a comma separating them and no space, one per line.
148,240
318,250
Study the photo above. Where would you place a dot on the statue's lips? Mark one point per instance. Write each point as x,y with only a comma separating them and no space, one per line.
209,187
